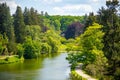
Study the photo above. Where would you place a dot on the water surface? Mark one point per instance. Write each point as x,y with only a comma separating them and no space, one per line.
54,67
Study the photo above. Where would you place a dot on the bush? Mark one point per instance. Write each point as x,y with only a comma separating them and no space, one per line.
20,50
29,52
31,49
45,48
54,44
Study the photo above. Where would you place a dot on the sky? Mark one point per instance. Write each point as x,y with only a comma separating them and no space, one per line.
58,7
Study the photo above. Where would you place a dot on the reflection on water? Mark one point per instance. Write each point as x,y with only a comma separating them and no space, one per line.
48,67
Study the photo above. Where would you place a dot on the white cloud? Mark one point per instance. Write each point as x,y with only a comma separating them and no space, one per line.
52,1
73,9
11,4
94,1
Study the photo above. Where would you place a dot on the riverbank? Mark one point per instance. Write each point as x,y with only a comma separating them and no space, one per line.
82,74
10,59
54,67
79,74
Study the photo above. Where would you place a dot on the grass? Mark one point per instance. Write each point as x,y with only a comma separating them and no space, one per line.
76,76
9,59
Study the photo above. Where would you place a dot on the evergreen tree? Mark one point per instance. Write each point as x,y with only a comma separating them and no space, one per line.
19,25
6,26
34,16
90,20
110,20
6,21
46,15
27,16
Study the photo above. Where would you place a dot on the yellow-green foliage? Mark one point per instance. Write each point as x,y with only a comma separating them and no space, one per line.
10,59
91,54
3,42
33,31
62,48
76,76
45,48
92,38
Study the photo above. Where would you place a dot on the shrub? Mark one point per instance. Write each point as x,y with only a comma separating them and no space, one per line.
45,48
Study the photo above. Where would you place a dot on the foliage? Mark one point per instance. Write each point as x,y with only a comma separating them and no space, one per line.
19,25
6,27
33,31
3,44
31,49
57,25
45,48
90,20
75,76
27,17
20,50
6,21
70,45
90,53
10,59
53,43
74,30
109,18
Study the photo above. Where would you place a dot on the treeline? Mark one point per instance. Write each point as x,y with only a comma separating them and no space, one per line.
30,34
99,45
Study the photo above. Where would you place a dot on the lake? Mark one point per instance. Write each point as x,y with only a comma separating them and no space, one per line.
52,67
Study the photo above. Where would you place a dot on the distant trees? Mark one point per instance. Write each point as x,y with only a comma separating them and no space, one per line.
74,30
57,25
29,34
27,16
31,17
89,20
34,16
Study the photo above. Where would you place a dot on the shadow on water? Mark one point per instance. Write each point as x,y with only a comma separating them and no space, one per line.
47,67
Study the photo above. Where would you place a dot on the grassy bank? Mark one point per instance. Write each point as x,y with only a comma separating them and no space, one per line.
76,76
10,59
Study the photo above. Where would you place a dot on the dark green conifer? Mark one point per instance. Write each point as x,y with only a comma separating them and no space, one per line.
110,20
19,25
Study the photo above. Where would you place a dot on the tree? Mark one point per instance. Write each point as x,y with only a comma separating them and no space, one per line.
5,20
27,16
57,25
31,48
110,19
46,15
91,54
90,20
45,48
34,16
74,30
20,50
19,25
3,44
6,26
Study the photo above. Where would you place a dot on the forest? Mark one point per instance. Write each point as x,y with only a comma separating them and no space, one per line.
93,39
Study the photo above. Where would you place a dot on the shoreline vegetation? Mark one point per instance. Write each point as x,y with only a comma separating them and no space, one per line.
93,40
80,74
10,59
